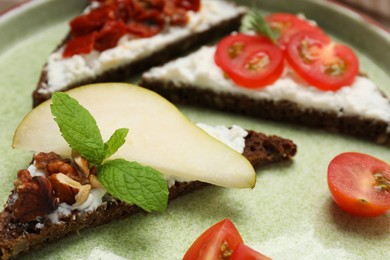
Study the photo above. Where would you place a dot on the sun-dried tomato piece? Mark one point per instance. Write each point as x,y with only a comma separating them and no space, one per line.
149,23
93,21
122,9
193,5
79,45
179,17
110,34
102,27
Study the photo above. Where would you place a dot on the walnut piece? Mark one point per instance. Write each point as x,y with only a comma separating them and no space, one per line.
68,190
63,167
35,197
42,159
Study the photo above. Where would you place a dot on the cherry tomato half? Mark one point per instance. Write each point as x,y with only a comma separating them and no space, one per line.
250,61
244,252
217,242
321,62
287,25
360,184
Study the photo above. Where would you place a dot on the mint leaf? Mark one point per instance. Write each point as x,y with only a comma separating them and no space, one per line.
115,142
78,127
127,181
134,184
257,23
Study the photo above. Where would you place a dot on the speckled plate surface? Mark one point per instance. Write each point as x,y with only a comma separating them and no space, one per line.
289,215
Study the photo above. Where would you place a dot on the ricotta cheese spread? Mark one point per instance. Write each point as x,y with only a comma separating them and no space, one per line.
199,69
234,136
62,72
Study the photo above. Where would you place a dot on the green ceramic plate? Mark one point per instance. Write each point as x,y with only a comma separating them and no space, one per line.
289,215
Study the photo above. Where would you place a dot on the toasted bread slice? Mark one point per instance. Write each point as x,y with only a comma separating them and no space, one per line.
133,54
361,110
18,237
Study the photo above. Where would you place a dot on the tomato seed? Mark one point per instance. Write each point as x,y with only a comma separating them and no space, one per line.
382,183
226,251
258,62
236,49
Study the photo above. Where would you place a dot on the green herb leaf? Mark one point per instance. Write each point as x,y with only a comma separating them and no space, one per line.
78,127
134,184
127,181
115,142
257,23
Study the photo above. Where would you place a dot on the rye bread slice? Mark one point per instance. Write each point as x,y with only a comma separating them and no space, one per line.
133,67
281,110
18,238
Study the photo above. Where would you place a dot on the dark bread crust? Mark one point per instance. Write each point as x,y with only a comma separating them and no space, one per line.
16,239
280,111
160,57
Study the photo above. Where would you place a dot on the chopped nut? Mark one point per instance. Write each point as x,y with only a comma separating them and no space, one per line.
23,176
83,164
42,159
62,190
68,190
63,167
82,195
35,197
95,183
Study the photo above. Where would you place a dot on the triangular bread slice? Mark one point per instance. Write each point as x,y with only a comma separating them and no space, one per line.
361,110
18,238
131,56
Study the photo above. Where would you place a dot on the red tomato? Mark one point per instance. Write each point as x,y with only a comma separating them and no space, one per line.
287,25
79,45
243,252
249,61
217,242
321,62
360,184
91,22
193,5
109,35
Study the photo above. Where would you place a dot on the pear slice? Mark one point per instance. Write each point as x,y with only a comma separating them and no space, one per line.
159,136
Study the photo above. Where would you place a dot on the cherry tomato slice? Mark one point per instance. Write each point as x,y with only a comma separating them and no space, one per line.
217,242
244,252
321,62
249,61
360,184
232,49
287,25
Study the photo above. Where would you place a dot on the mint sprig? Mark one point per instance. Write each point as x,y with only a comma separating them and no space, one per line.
78,127
127,181
115,142
257,23
135,184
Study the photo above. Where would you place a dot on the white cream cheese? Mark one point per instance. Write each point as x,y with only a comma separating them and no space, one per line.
34,171
234,136
65,71
93,202
362,98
